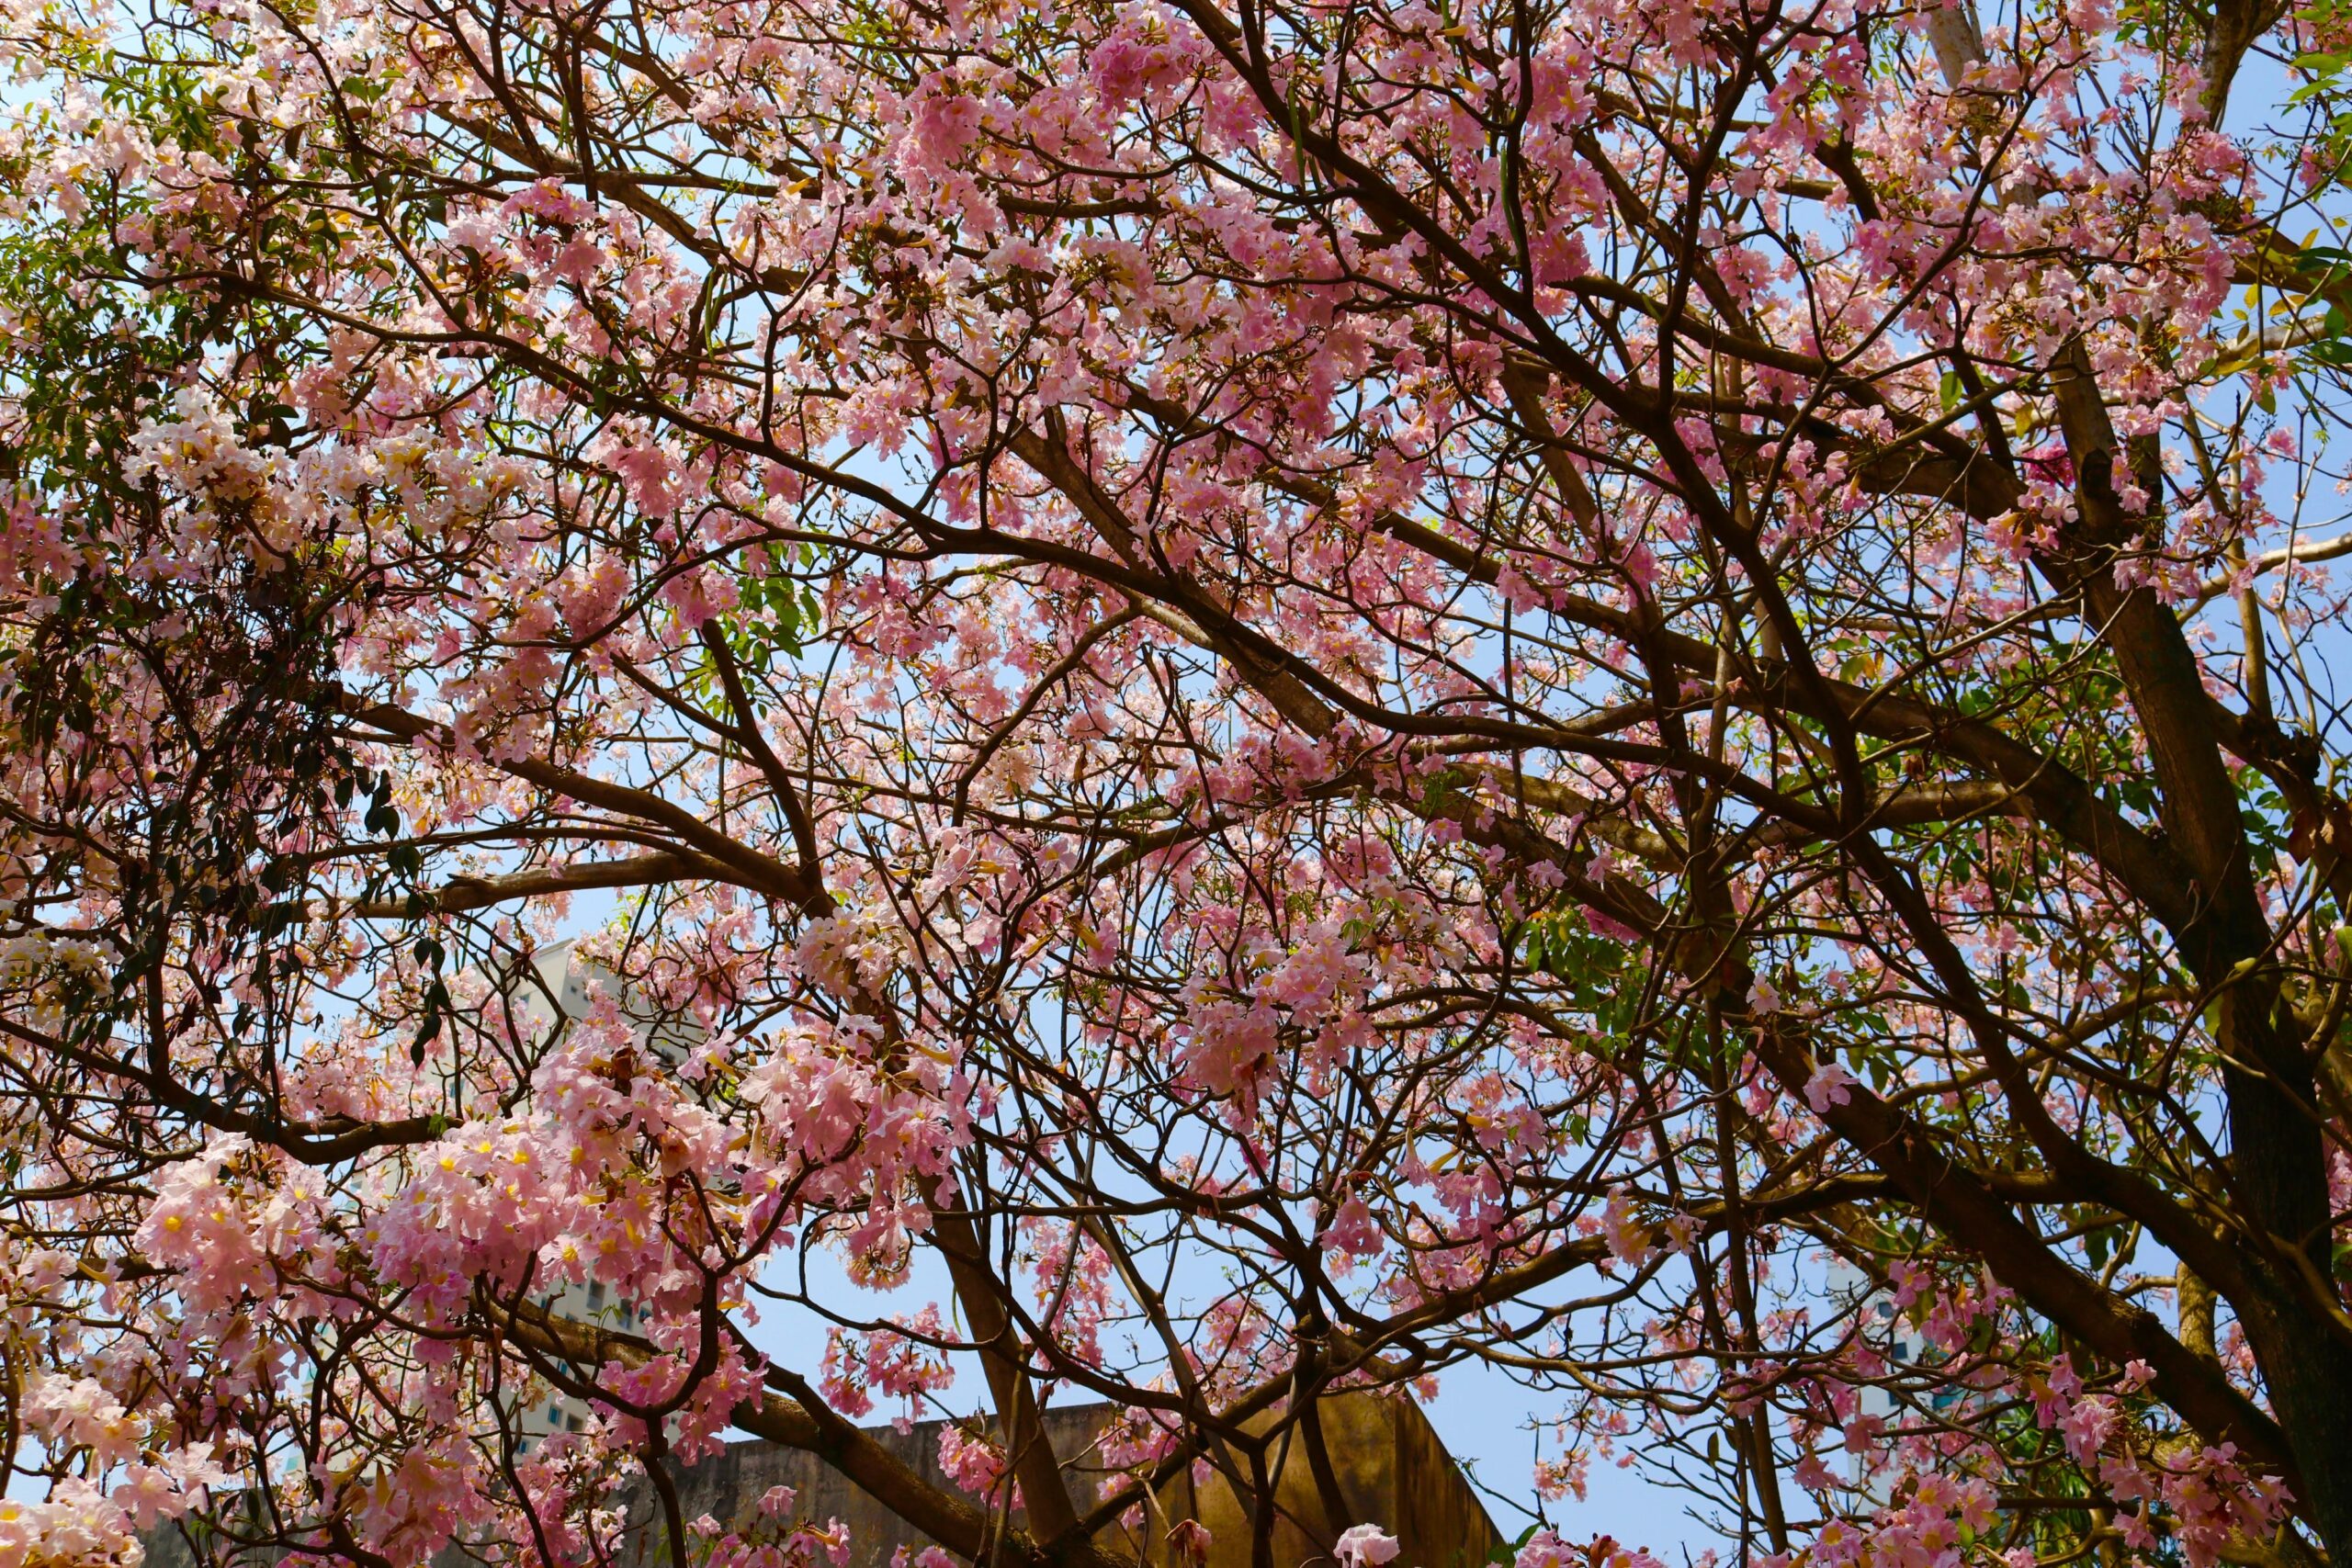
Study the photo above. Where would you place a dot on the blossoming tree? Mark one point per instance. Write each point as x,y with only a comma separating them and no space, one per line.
1300,693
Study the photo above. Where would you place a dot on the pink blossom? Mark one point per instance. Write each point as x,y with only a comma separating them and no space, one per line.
1830,1085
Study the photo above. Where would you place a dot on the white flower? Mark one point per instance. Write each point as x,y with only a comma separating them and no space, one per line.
1366,1546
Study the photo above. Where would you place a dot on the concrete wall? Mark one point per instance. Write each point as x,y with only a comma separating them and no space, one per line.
1392,1471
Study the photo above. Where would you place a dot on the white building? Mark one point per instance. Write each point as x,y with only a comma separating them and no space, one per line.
576,984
